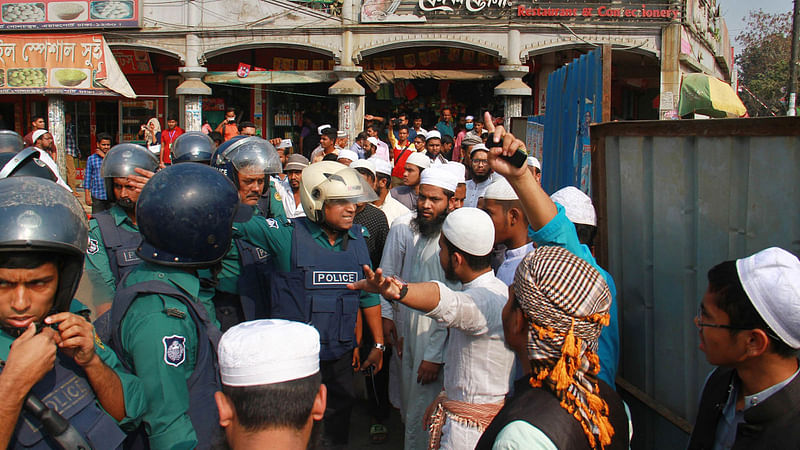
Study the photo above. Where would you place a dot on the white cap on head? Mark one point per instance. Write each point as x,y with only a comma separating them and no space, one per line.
457,169
373,140
37,134
534,162
439,176
577,205
423,134
381,165
477,147
468,229
368,164
500,189
771,279
347,154
433,135
285,143
419,159
469,118
322,128
341,133
256,353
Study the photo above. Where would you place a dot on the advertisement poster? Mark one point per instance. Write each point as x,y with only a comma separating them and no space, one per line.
54,14
55,64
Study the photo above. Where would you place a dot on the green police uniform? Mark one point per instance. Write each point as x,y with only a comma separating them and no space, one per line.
149,320
97,267
277,238
276,209
132,388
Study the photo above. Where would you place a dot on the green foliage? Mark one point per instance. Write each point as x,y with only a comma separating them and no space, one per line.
764,61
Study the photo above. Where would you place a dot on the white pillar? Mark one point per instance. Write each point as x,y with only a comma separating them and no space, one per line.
512,89
55,124
351,100
192,90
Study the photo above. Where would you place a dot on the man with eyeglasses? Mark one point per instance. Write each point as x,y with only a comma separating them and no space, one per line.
482,175
749,325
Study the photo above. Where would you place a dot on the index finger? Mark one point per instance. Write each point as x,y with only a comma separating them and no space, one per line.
144,172
58,317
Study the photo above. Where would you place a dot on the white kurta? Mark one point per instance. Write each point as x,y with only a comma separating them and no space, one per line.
477,362
414,259
513,257
476,190
393,209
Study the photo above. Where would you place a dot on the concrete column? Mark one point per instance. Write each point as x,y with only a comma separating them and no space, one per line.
55,124
193,89
513,90
670,71
351,100
548,66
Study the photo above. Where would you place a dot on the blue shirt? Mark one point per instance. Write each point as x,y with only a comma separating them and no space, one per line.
561,232
445,128
92,179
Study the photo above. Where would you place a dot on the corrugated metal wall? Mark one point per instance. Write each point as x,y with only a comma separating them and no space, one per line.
574,97
674,198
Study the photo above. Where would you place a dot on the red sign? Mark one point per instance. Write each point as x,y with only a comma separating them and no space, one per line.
601,11
49,14
133,61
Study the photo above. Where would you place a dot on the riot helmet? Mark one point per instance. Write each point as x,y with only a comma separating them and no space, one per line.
192,146
248,154
37,215
329,180
10,141
121,161
185,216
25,164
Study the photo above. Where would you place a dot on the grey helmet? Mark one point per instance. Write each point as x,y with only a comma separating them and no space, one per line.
121,161
10,141
26,163
192,146
251,154
37,215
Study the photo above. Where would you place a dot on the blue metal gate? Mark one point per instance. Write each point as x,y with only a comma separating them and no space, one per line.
574,101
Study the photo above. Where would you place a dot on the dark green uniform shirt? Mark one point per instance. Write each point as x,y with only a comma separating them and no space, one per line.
132,388
97,268
145,331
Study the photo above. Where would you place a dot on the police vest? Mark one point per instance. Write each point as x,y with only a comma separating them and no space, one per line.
256,267
203,382
66,390
315,289
120,245
541,408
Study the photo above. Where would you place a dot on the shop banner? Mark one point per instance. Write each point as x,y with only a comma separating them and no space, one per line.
59,64
134,62
404,11
271,77
50,14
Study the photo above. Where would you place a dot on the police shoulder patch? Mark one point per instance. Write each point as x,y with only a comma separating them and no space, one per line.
272,223
174,350
278,196
93,247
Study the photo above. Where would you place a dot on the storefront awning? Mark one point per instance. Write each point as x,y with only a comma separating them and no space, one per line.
704,94
374,78
272,77
67,64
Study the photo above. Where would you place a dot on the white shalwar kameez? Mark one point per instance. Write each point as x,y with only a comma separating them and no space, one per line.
478,364
513,257
414,259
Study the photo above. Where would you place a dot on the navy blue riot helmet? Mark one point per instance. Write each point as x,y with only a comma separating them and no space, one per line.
26,163
185,216
10,141
249,154
192,146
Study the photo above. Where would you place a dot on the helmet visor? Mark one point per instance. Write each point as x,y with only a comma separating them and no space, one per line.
124,158
255,155
348,184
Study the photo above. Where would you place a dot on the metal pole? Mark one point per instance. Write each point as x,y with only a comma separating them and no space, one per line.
794,61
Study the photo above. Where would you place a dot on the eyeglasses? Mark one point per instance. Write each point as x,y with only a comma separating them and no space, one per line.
699,324
480,162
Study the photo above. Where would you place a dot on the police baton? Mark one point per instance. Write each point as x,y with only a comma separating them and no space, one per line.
55,425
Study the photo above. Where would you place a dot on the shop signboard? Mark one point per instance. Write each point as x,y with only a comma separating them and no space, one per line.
53,64
134,62
72,14
524,10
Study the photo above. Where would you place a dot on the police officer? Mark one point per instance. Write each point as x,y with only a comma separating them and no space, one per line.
316,257
47,343
192,146
10,141
158,326
113,234
249,161
242,284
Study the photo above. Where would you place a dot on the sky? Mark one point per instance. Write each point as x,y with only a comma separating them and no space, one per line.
734,12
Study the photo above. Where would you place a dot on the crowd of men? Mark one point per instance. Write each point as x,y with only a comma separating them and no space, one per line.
226,299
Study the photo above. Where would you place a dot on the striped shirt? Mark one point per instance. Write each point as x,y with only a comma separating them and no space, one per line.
71,140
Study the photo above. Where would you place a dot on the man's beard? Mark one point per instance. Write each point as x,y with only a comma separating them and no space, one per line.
428,228
480,178
126,204
450,273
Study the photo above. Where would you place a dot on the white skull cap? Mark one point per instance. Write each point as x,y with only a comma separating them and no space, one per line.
419,159
470,230
577,205
500,189
268,351
771,279
439,176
